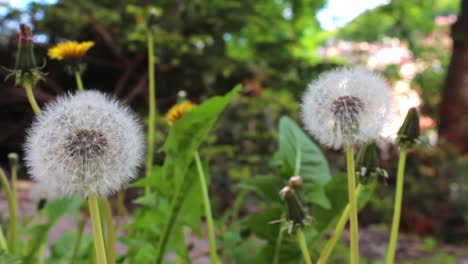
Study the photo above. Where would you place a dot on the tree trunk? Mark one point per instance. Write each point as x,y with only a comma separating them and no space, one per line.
454,107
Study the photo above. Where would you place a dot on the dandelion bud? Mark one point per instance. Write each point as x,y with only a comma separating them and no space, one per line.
181,95
295,182
367,164
13,159
26,71
409,132
347,106
296,214
152,17
84,144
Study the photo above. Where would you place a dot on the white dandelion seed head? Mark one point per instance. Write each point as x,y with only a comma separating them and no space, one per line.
346,106
82,144
41,191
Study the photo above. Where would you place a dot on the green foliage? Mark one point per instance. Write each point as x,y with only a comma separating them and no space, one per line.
325,195
177,202
409,20
52,211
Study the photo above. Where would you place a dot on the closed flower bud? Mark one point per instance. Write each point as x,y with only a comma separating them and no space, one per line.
409,132
367,164
152,17
295,182
296,215
13,158
26,71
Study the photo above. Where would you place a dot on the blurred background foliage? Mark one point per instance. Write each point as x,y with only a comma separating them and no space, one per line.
274,48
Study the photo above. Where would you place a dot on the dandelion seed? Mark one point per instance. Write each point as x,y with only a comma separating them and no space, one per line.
84,144
346,106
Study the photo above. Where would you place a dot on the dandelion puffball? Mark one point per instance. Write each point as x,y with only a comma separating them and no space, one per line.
346,106
83,144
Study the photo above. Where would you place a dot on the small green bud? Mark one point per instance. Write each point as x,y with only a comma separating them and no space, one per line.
367,164
152,17
296,215
26,71
13,158
409,132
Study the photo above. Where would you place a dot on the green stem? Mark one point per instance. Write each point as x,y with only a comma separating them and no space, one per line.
173,213
353,220
338,230
42,251
303,245
110,232
3,243
152,108
207,206
97,229
279,241
12,221
397,207
79,82
76,247
297,168
31,99
121,209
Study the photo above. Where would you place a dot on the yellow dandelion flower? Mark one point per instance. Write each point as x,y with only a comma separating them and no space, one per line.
178,111
69,50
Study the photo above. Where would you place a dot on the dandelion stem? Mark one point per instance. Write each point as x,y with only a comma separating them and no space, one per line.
31,99
152,107
79,82
173,213
279,241
76,247
338,230
3,243
12,232
207,206
110,232
97,229
397,206
303,245
42,251
353,220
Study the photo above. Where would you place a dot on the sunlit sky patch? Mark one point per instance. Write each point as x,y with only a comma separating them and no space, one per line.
335,14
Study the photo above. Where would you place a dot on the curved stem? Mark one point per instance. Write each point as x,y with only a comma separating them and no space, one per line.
207,206
31,99
397,206
303,245
97,230
173,213
76,247
12,232
353,220
326,252
279,241
110,232
152,107
79,82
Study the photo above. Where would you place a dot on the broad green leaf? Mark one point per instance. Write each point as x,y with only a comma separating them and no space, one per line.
314,166
185,135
